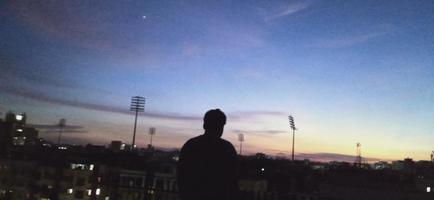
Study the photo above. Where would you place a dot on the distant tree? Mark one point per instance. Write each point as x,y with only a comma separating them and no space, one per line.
260,156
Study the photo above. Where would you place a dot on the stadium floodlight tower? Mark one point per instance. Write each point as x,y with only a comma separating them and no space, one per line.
358,162
137,105
241,140
152,132
432,156
292,126
61,125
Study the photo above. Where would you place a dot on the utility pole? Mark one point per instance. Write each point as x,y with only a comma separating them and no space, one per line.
293,128
137,105
61,125
241,140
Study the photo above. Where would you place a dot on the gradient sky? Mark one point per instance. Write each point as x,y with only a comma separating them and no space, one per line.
349,71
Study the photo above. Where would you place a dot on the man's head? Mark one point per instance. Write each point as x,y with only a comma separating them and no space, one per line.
214,122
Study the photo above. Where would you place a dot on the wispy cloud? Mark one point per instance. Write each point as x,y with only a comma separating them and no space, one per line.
15,71
64,131
260,132
346,41
34,95
54,129
87,27
253,114
54,126
326,157
290,9
258,112
38,96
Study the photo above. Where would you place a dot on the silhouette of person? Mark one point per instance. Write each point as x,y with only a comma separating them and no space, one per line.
207,167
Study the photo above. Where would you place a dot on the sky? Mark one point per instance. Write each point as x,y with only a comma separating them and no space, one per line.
348,71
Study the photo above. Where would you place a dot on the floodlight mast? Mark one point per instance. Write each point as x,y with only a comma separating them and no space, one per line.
61,125
358,162
432,156
152,132
293,128
137,105
241,140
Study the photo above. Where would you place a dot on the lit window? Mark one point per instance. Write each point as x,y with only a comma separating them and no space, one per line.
107,198
91,167
428,189
70,191
77,166
20,130
98,191
89,192
19,117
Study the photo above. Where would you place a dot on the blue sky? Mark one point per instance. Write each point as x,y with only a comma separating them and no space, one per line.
349,71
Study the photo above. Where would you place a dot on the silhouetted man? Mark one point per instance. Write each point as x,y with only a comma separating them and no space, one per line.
207,168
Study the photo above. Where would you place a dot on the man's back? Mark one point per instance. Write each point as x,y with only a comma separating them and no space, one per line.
207,169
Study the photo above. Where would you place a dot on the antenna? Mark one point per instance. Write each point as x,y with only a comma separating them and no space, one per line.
137,105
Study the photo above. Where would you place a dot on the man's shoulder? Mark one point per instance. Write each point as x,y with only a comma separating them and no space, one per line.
228,146
202,140
226,143
192,142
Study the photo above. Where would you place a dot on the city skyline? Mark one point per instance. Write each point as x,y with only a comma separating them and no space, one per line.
347,71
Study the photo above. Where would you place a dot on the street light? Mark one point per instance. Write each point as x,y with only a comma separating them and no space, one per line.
137,105
292,126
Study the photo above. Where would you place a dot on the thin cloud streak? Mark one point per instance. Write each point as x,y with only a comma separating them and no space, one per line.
54,126
54,129
27,93
327,157
22,92
260,132
260,112
292,8
347,40
64,131
81,31
14,71
238,115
